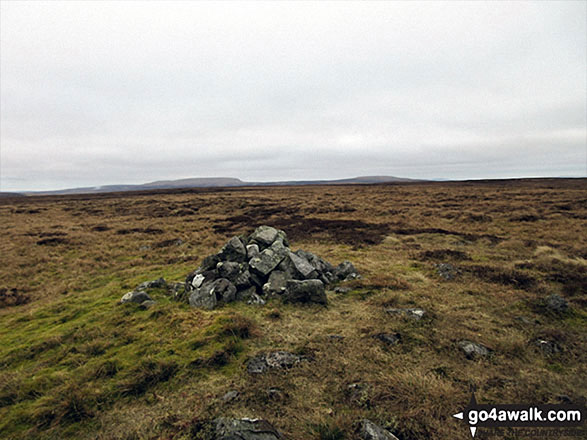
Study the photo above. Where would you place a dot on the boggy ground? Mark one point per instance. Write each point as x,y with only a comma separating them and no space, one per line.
73,364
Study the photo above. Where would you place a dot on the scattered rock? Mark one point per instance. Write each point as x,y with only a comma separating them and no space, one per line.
135,297
370,431
275,394
244,429
389,338
155,284
211,293
557,304
473,350
307,291
547,347
345,271
415,313
145,305
276,359
230,396
447,271
342,290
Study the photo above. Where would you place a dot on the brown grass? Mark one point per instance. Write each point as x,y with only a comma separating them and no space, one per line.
74,365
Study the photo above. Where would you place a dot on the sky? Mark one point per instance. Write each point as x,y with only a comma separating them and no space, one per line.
95,93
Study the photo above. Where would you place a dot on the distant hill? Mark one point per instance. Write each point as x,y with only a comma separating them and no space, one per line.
10,194
217,182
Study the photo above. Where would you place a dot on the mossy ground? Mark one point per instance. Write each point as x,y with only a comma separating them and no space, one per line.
74,364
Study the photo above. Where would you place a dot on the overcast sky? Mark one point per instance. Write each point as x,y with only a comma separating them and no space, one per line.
99,93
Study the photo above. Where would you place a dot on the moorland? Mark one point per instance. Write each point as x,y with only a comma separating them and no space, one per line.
482,258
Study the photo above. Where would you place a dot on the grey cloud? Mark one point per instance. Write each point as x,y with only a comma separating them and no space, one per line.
116,92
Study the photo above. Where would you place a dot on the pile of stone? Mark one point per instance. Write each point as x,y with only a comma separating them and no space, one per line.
255,267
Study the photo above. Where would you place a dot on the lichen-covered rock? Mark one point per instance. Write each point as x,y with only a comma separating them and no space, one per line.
297,267
276,359
277,283
345,271
370,431
306,291
414,313
211,293
473,350
135,297
234,251
244,429
265,236
267,260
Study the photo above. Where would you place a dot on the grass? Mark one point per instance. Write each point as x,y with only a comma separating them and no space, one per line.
74,364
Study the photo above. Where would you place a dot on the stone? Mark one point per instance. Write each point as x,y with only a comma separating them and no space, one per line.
389,338
234,250
307,291
276,359
229,270
547,347
155,284
230,396
415,313
345,271
447,271
243,280
145,305
275,394
266,261
135,297
264,236
358,393
204,297
197,281
297,267
473,350
211,293
557,304
277,283
342,290
324,268
244,429
370,431
252,250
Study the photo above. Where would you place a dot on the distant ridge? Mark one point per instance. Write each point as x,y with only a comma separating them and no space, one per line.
216,182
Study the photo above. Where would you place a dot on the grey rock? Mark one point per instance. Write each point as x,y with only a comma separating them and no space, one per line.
276,359
154,284
230,396
473,350
243,280
145,305
209,263
277,283
389,338
264,236
557,304
342,290
547,347
229,270
275,394
225,291
307,291
234,250
244,429
336,338
370,431
211,293
252,250
266,261
414,313
345,271
204,297
135,297
298,267
447,271
197,281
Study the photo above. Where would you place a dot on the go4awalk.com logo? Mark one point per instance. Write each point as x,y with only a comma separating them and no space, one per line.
522,416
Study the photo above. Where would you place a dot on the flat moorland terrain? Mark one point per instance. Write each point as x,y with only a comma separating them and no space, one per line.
483,260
